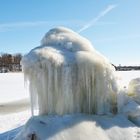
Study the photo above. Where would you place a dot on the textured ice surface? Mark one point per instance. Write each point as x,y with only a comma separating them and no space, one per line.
134,89
67,75
79,127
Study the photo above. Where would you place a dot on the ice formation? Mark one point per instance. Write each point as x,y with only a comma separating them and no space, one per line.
134,89
67,75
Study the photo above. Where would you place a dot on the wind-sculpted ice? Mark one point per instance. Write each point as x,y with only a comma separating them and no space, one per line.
67,75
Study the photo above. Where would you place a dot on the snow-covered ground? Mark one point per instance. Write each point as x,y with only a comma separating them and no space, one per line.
80,127
14,103
12,87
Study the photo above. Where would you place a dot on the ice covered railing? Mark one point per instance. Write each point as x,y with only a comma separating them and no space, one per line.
67,75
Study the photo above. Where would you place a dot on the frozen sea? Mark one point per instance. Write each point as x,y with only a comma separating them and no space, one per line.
14,101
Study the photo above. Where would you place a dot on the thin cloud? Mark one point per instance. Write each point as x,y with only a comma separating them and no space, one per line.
5,27
22,24
94,20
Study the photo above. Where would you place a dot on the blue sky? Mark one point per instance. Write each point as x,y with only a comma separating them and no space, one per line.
113,26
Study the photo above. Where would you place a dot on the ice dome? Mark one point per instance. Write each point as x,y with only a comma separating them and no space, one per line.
67,75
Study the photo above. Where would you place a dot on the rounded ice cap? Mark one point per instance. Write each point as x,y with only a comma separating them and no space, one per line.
66,38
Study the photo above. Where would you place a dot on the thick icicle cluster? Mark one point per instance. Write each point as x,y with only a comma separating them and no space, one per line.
67,75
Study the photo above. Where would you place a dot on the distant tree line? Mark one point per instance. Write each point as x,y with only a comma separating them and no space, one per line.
10,62
126,68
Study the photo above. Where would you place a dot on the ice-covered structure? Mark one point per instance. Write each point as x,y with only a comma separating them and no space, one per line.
67,75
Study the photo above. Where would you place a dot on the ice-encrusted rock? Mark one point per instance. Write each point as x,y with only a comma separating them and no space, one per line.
67,75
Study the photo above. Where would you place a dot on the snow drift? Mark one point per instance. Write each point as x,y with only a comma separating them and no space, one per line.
78,127
67,75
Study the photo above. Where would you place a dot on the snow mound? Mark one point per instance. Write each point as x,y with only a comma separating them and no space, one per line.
78,126
132,111
67,75
134,89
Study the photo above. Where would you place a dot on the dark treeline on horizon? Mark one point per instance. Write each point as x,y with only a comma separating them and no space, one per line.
126,68
10,62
